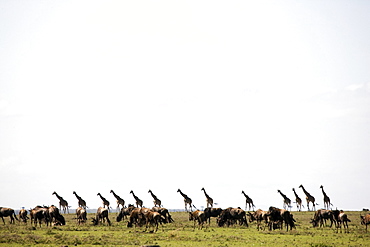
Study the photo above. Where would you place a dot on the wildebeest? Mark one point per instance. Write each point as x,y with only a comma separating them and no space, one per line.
164,212
81,215
137,217
54,217
23,215
278,217
39,214
197,216
212,212
259,215
365,220
321,216
5,212
124,212
342,219
101,216
231,215
153,218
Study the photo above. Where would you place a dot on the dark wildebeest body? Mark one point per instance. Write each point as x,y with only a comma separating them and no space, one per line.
125,212
39,214
81,215
101,216
278,217
8,212
342,219
164,212
365,220
321,216
137,217
212,212
198,216
231,215
259,215
54,216
23,215
153,218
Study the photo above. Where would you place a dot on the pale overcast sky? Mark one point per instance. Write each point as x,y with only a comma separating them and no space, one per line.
161,95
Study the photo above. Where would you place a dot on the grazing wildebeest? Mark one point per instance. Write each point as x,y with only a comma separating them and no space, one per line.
197,216
153,218
5,212
101,216
212,212
321,216
342,219
365,220
232,215
164,212
23,215
81,215
259,215
39,214
279,216
137,217
125,212
54,217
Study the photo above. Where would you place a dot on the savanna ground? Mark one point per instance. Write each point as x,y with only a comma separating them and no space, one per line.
182,233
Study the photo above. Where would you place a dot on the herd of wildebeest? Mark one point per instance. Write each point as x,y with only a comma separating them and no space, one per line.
139,216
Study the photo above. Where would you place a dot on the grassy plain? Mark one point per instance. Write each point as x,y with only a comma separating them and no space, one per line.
182,233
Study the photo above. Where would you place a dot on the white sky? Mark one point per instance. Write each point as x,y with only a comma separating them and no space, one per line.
227,95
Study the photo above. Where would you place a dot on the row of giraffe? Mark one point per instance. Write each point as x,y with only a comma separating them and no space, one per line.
250,205
309,199
63,204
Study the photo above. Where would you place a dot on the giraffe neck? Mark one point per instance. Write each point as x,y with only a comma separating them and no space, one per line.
323,192
305,191
205,193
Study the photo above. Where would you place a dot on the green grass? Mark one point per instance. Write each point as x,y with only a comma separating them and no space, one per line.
182,233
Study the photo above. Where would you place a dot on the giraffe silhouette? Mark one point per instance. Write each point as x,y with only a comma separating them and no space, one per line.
298,201
209,200
81,202
137,200
187,201
62,203
287,201
105,201
248,201
156,201
327,203
309,198
120,201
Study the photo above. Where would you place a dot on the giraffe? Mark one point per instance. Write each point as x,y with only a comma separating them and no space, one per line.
105,201
62,203
298,201
187,201
326,199
248,201
287,201
81,202
156,201
209,199
120,201
309,198
138,201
